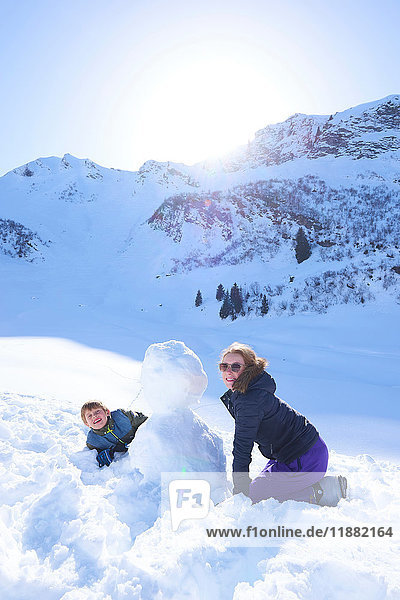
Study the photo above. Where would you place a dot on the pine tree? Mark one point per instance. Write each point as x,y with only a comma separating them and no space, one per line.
220,292
199,299
236,299
226,308
303,248
264,305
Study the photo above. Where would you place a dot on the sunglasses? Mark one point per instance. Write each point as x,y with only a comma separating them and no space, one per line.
235,367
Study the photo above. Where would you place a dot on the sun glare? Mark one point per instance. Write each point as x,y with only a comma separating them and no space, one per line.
208,105
196,102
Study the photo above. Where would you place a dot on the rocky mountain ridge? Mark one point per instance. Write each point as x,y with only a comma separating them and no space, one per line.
367,131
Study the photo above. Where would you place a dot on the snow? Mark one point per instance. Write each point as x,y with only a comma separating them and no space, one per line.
91,320
73,531
172,377
174,439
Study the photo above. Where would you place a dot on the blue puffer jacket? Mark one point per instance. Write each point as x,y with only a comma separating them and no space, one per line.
261,417
119,431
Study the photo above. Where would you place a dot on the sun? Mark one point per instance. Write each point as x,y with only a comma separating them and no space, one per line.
207,109
206,104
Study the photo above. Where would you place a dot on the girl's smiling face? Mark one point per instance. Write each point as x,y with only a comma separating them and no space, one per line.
228,376
97,417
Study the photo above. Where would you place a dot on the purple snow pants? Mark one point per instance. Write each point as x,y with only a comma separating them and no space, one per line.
292,481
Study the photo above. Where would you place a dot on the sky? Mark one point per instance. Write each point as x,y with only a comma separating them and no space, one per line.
127,81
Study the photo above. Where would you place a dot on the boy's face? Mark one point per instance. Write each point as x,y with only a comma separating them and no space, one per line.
96,418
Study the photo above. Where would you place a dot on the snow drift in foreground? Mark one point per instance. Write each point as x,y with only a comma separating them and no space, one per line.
70,531
73,532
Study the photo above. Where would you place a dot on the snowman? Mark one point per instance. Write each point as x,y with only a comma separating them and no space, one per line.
174,438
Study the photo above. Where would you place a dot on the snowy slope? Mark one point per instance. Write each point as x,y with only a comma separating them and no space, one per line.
73,532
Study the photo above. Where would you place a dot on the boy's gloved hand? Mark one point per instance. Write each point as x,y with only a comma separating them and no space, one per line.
105,457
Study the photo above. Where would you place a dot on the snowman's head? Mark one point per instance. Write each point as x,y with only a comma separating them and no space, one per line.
172,377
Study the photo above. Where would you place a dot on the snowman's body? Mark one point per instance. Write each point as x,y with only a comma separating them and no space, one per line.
174,439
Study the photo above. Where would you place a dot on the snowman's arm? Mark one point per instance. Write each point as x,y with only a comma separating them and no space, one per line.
136,418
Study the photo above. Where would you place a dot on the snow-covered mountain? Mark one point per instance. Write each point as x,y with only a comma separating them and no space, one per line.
235,220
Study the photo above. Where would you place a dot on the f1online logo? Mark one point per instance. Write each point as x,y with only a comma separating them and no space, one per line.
189,499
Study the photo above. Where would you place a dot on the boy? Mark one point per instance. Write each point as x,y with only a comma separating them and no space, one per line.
110,432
